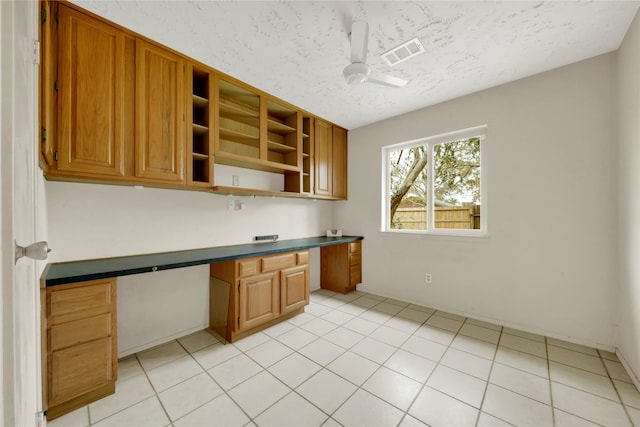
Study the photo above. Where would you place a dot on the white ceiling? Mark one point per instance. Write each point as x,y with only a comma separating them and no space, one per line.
296,50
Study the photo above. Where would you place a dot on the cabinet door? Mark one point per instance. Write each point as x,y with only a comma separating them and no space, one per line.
80,369
339,163
323,158
91,95
258,299
335,268
294,288
160,126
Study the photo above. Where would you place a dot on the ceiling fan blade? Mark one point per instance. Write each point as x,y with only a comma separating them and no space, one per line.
359,41
390,81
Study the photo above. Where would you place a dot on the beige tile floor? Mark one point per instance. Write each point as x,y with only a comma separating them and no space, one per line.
364,360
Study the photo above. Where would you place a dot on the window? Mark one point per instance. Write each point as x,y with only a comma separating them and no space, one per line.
435,185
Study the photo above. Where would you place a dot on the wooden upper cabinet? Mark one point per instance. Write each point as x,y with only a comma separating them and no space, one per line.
323,158
339,163
91,95
160,118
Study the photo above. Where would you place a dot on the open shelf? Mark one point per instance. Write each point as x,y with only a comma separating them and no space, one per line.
199,156
280,148
200,102
200,164
199,129
230,108
278,127
237,191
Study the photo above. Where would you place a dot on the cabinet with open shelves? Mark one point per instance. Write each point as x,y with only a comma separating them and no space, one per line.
200,160
238,125
205,117
307,154
282,134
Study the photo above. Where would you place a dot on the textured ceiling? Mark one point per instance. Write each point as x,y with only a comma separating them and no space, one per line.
296,50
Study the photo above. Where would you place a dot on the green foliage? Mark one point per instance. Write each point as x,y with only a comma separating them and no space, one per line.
457,171
456,174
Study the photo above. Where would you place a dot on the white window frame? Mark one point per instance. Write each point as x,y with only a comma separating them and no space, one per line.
429,142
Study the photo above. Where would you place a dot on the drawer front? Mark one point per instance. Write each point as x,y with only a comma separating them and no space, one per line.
80,369
355,259
248,267
278,262
355,247
355,275
67,304
80,331
303,257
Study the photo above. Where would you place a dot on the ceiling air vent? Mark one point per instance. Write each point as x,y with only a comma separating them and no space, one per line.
403,52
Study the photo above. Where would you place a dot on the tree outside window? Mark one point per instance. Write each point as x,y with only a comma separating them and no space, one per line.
435,183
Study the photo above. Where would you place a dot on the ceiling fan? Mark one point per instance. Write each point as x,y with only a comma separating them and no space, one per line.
359,71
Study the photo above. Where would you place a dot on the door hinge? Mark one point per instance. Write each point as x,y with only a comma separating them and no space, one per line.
43,15
57,16
238,320
238,287
36,52
55,85
55,156
44,135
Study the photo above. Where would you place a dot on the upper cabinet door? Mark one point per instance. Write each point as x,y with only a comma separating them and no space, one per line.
90,95
323,158
160,125
339,164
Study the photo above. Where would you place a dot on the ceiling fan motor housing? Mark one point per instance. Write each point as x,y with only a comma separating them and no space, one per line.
356,73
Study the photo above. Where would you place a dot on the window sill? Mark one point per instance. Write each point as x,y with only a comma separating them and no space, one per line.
438,233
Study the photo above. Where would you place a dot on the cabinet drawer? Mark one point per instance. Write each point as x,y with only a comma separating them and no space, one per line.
72,303
355,247
248,267
80,369
80,331
355,275
278,262
303,257
355,259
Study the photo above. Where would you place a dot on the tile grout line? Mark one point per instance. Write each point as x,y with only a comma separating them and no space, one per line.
359,387
396,349
553,406
437,363
624,406
486,386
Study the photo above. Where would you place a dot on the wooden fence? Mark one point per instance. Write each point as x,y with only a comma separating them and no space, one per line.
460,217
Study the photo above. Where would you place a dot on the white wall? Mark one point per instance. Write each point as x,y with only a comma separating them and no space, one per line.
549,263
628,135
97,221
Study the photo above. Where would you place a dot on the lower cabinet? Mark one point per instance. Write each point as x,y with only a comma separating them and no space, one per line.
258,300
263,290
80,362
341,267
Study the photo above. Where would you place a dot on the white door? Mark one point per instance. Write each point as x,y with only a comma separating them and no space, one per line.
20,192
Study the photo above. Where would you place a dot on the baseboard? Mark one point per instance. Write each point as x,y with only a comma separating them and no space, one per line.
129,351
498,322
627,367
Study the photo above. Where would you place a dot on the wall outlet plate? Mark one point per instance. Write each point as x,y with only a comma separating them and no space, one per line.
334,233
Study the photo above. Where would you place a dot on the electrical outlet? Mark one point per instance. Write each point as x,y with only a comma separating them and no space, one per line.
236,180
427,277
231,205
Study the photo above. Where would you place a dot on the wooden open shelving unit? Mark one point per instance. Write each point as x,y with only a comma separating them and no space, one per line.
200,161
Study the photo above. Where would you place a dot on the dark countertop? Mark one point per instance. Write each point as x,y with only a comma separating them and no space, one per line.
60,273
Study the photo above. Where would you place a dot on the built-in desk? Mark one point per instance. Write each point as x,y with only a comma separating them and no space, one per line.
60,273
78,299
